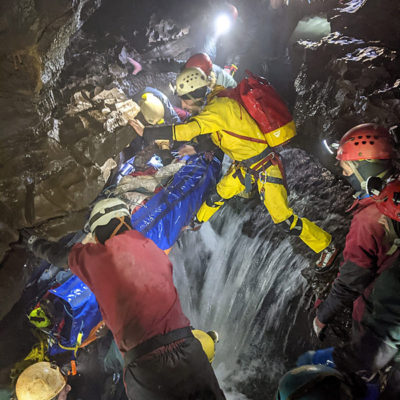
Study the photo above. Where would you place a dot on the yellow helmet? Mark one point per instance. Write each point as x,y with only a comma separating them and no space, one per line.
152,109
190,80
40,381
207,341
38,318
105,210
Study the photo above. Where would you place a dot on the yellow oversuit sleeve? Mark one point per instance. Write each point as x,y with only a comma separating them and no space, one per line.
214,117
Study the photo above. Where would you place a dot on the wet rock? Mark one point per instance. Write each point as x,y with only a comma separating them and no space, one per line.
34,37
340,85
368,20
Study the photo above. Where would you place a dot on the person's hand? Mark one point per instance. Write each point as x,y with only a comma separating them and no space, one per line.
209,156
28,237
101,330
137,126
89,238
64,393
186,150
318,328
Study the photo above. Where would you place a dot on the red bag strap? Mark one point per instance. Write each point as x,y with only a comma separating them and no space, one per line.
246,137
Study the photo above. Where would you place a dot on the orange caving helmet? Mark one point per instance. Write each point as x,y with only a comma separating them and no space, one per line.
366,142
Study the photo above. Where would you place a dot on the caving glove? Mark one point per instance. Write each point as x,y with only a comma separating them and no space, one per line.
28,238
318,329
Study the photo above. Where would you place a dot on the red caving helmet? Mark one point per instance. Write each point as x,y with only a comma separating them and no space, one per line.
366,142
388,202
200,60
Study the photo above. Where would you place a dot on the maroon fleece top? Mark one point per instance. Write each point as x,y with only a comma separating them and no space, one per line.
132,281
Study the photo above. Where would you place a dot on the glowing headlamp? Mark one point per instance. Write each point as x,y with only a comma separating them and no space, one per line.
223,24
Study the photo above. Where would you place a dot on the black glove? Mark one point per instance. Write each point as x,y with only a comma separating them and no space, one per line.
28,237
195,224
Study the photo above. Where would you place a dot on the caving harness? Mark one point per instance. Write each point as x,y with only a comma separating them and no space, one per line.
154,343
256,167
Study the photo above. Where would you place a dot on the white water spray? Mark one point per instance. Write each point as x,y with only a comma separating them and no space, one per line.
243,288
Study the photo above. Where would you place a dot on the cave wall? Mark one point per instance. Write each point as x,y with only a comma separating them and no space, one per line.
55,139
349,77
34,36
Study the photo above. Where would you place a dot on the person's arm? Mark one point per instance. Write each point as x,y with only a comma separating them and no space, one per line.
223,78
379,341
212,118
204,143
183,132
359,267
200,144
351,282
53,252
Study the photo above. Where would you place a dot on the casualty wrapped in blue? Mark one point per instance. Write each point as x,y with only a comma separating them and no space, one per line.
165,214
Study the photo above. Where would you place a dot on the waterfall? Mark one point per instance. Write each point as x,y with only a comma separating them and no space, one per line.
241,287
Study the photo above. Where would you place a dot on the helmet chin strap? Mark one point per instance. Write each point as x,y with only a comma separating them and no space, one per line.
363,182
117,228
197,102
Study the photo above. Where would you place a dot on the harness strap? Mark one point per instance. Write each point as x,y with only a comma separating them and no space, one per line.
393,238
119,226
156,342
259,157
272,179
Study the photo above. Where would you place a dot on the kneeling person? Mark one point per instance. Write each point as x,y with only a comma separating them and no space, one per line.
132,281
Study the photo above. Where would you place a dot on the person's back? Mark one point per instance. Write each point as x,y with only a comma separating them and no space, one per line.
224,118
132,280
223,78
170,115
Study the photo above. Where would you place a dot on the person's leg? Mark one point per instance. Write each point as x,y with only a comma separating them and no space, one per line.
274,196
226,188
183,372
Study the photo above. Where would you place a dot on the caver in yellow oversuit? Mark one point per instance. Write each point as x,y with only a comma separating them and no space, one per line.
238,135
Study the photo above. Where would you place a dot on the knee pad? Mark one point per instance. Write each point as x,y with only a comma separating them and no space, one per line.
287,225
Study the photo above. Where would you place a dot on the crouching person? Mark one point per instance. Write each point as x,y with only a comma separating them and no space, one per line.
132,281
42,381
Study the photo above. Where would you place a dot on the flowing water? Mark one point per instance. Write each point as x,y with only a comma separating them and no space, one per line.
247,289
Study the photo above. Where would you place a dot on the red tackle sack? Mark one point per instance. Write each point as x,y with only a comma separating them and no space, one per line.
265,106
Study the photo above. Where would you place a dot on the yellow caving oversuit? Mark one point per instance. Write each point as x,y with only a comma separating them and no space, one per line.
251,161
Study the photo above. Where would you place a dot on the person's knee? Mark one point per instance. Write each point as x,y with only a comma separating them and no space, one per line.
214,199
292,225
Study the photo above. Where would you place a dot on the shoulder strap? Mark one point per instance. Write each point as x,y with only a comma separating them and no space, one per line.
394,240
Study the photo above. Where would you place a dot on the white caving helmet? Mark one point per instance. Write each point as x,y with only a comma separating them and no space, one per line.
105,210
40,381
189,81
152,109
